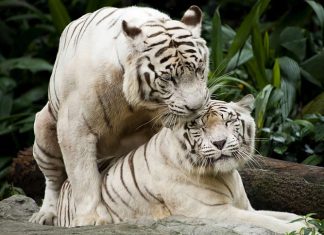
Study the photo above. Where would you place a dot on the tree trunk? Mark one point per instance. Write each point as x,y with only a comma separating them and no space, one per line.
271,184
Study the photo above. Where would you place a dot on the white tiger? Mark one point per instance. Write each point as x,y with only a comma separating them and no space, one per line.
116,69
189,171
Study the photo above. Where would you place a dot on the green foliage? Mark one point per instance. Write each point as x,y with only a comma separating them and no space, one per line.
312,226
279,60
282,65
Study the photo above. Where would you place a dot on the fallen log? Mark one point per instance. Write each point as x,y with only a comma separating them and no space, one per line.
285,186
271,184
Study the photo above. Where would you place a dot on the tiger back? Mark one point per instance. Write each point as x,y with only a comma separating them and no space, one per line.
117,72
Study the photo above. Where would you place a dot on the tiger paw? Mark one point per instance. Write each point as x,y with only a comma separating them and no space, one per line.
89,219
44,218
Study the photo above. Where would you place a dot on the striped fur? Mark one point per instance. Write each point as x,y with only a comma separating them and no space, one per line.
118,72
189,171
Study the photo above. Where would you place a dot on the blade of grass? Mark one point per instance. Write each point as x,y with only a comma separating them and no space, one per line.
261,103
216,41
244,31
276,74
259,55
59,14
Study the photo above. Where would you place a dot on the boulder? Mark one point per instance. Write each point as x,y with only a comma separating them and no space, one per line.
15,211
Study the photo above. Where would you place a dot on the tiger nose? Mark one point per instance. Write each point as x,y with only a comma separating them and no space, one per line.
193,108
219,144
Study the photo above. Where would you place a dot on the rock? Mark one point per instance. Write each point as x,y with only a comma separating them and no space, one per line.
15,211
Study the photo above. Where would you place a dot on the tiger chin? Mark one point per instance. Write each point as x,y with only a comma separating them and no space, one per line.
190,171
118,71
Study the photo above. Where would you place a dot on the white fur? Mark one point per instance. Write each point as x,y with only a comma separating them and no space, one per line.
162,183
95,103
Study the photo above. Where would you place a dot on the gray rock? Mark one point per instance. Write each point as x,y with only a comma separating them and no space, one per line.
15,211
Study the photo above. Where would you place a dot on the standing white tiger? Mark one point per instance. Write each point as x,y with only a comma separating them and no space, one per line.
115,70
189,171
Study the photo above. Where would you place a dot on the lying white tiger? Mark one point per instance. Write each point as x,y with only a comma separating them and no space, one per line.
116,69
190,171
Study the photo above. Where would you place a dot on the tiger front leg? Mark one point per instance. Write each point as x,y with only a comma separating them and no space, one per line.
47,154
78,146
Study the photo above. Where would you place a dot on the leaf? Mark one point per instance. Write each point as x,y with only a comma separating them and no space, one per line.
290,69
59,14
306,127
314,66
240,58
276,74
293,39
319,11
319,133
6,102
266,45
280,150
216,41
313,160
17,3
259,54
315,106
25,63
26,99
288,98
261,103
244,30
310,78
7,84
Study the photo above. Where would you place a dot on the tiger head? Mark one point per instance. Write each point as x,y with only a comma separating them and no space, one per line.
220,140
168,66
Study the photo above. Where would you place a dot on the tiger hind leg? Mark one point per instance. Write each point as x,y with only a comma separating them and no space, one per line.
48,156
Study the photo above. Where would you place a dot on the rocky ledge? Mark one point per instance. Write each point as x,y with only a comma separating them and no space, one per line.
15,211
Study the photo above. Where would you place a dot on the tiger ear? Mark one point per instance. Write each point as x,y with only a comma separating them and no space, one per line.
193,18
247,102
134,35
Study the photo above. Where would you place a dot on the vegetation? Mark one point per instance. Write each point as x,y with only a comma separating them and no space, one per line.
275,53
312,226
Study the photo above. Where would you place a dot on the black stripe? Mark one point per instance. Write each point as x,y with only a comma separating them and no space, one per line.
106,16
91,21
208,204
121,199
154,25
122,177
113,23
176,27
151,67
184,36
114,212
66,34
159,52
185,43
158,43
190,51
46,153
145,157
106,189
140,90
80,31
131,166
155,34
165,59
51,111
152,195
74,32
